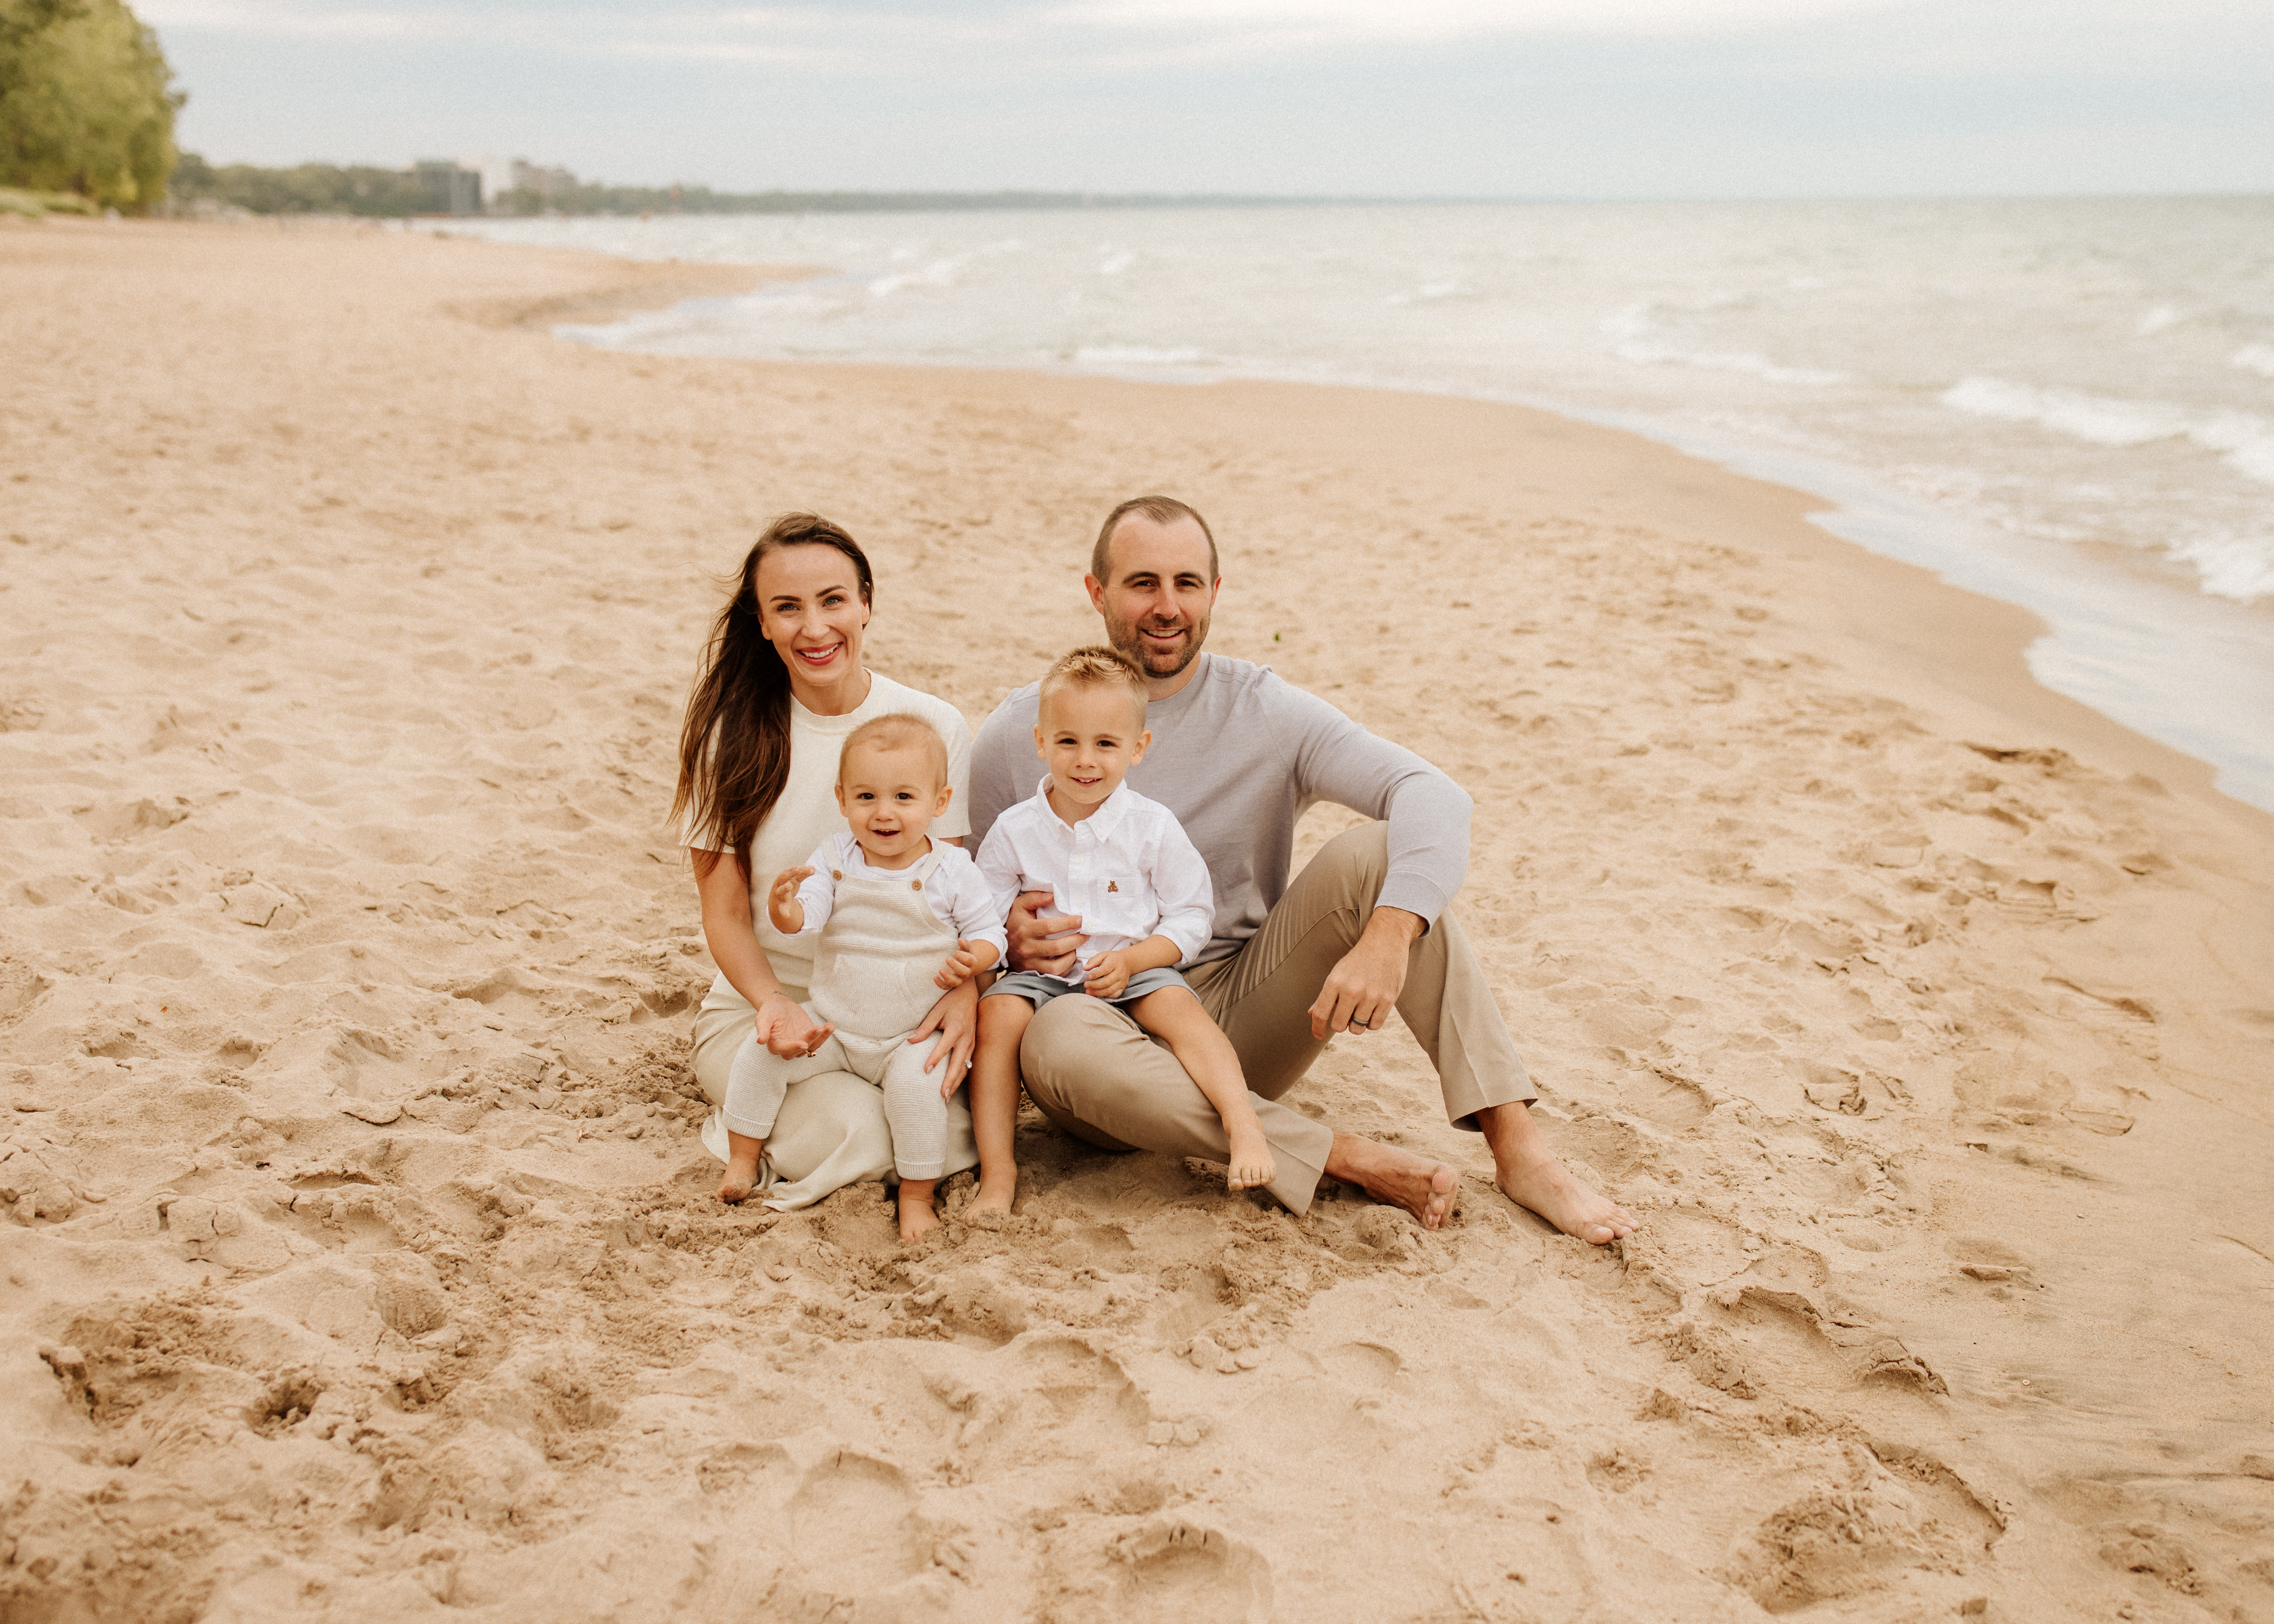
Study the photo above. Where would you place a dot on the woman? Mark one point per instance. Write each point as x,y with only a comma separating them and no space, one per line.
780,686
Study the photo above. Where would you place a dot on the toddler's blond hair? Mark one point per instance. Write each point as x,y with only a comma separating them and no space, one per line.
1096,667
897,732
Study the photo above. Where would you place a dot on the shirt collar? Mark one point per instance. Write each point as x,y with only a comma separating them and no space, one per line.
1103,820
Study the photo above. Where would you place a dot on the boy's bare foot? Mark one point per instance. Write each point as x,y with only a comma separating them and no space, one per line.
918,1217
1529,1174
1427,1189
739,1178
996,1190
1251,1166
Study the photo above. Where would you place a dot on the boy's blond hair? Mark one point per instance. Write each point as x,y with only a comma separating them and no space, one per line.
1095,667
897,732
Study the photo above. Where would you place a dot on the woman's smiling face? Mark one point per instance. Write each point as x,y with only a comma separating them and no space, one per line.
809,603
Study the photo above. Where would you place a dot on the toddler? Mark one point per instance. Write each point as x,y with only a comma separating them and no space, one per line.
891,906
1126,866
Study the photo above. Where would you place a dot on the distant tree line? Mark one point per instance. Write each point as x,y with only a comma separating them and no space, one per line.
305,189
86,103
437,187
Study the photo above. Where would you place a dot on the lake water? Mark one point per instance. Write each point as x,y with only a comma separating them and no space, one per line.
2066,403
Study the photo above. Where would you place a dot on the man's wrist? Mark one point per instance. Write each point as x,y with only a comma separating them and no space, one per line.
1405,926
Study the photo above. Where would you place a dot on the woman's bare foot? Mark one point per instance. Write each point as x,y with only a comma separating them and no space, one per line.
918,1217
1251,1166
999,1186
1427,1189
739,1178
1529,1174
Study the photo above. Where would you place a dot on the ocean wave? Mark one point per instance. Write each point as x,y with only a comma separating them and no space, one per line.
2237,566
1430,293
2244,441
1628,326
1110,356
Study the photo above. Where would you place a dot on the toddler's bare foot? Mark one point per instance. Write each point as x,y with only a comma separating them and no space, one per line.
1251,1166
739,1178
998,1186
918,1217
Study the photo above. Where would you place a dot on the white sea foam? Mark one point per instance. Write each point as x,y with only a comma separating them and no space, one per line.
1112,357
2244,441
1890,337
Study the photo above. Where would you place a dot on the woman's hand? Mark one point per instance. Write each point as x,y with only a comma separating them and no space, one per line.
967,960
1108,974
782,906
786,1029
955,1019
1047,942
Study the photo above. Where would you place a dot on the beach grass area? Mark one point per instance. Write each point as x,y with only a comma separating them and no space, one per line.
364,1263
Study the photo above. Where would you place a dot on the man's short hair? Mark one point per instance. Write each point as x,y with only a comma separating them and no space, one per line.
1161,510
1095,667
897,732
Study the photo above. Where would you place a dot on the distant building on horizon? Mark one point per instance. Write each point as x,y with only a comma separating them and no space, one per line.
500,175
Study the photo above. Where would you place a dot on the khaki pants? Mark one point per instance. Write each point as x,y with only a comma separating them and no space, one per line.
1097,1075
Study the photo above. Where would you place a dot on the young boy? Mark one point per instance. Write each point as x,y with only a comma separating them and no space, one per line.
1126,865
891,905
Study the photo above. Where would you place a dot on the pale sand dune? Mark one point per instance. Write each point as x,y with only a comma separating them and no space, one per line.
363,1263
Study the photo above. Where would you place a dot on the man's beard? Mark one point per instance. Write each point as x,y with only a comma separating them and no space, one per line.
1152,662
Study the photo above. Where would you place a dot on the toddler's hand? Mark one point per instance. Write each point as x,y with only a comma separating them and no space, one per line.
964,963
1107,975
782,906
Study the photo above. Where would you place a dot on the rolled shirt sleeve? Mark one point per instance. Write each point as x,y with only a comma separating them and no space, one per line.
816,893
973,912
1182,890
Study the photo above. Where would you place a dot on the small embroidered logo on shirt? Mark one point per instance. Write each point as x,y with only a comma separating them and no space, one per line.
1113,886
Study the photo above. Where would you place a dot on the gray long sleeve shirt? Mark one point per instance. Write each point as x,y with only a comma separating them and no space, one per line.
1239,755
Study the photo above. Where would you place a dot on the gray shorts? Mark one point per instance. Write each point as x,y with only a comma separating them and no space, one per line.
1039,989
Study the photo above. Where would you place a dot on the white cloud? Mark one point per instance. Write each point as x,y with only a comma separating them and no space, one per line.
1321,22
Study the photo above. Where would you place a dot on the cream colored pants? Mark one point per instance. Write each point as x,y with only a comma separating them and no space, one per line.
1096,1074
831,1131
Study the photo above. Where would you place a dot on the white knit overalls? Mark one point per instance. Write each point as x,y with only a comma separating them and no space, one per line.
872,979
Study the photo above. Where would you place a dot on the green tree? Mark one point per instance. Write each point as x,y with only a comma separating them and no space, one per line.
86,101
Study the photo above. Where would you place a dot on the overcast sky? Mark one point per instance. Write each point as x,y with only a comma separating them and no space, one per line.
1414,98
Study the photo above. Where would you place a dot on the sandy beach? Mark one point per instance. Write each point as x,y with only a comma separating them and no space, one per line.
363,1263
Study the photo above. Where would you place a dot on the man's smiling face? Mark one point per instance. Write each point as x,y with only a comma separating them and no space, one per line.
1156,606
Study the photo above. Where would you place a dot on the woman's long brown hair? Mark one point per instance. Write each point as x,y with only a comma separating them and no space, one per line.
734,751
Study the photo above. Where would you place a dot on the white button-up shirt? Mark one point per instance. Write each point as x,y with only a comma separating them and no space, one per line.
1128,869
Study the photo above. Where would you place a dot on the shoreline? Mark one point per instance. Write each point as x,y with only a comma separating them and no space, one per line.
2077,613
352,1213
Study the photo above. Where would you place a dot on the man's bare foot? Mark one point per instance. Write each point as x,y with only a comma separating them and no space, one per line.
739,1178
918,1218
1529,1174
1251,1166
998,1187
1427,1189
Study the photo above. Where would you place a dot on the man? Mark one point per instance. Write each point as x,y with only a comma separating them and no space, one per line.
1236,755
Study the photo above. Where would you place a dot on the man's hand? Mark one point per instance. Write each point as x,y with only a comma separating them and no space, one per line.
787,1030
1108,974
782,906
1362,990
1045,942
967,960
